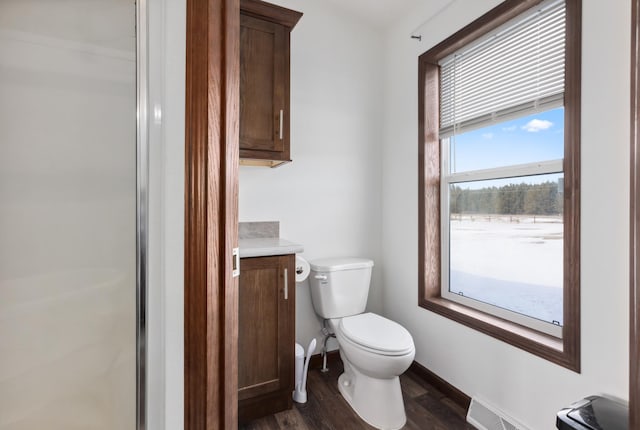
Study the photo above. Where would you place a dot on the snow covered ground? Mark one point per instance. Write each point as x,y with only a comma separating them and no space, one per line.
514,262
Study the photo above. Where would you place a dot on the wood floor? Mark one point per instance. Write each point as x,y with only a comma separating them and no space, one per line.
426,407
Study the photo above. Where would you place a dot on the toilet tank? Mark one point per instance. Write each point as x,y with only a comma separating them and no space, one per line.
340,286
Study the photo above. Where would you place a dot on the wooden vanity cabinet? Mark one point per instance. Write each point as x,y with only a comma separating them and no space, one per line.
264,82
266,337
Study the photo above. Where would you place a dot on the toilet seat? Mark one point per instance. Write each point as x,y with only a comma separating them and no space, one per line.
377,334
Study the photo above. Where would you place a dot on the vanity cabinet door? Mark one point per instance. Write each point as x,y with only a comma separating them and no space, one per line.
266,338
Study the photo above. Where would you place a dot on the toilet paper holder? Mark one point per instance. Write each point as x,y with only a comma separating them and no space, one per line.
302,269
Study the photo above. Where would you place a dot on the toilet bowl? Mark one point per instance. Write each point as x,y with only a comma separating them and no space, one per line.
375,350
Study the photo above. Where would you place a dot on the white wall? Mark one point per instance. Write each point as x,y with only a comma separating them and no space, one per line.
525,386
328,199
165,394
173,118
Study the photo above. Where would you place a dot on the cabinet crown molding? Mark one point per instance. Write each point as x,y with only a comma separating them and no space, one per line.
270,12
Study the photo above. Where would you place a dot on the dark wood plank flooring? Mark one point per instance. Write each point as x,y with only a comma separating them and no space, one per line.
426,407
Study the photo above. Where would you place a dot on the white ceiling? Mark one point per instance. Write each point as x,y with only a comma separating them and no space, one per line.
110,23
382,13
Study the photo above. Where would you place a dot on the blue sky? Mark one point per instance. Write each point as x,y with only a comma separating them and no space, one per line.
537,137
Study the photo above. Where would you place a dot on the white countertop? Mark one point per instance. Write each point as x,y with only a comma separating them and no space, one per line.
261,247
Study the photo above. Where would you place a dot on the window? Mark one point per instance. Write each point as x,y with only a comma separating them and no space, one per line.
499,177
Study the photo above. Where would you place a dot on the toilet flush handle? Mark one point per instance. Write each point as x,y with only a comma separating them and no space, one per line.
321,277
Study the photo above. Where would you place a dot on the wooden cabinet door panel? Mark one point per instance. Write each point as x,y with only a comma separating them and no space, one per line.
258,340
266,326
262,84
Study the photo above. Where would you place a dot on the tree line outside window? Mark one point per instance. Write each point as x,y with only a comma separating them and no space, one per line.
511,199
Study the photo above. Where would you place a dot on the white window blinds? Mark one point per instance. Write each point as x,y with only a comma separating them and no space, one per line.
515,70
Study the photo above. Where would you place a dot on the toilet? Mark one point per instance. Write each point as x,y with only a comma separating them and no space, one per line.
375,350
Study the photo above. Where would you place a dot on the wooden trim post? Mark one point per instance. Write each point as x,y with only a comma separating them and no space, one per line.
211,215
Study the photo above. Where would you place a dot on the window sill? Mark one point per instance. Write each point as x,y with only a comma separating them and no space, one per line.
540,344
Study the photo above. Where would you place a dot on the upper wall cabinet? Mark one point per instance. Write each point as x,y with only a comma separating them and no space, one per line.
264,82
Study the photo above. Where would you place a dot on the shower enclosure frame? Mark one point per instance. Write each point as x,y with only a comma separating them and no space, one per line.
634,239
142,209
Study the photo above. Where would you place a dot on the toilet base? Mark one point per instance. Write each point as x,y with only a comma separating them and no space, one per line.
377,401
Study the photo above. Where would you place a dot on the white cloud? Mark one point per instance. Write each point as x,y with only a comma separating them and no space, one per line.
488,135
536,125
511,128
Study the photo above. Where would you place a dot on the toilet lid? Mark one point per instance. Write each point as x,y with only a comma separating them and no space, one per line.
375,332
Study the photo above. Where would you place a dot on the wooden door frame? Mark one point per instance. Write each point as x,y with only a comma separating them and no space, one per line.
634,234
211,214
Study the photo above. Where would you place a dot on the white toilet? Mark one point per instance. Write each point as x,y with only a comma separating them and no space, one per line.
374,350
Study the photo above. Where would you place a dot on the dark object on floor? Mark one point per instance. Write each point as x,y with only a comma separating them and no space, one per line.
426,407
594,413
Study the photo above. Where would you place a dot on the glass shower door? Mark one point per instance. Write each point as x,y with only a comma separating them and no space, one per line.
67,214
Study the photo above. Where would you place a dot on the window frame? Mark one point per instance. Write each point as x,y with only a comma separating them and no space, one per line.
565,351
